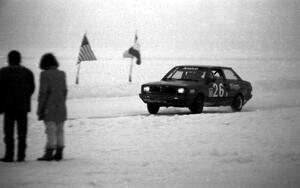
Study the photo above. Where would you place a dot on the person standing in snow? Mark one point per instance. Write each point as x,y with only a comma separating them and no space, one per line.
52,106
16,87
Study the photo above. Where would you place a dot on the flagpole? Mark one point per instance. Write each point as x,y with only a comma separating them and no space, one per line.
130,71
77,76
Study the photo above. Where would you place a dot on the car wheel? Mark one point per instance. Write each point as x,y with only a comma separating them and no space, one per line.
153,108
237,103
197,106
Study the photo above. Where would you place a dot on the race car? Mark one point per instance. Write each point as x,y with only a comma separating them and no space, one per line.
195,86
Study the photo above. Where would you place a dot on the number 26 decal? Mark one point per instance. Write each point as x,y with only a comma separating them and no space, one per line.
217,90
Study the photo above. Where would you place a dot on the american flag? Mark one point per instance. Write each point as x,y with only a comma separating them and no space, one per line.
134,51
85,52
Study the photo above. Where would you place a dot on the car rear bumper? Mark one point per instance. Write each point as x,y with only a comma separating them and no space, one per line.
167,100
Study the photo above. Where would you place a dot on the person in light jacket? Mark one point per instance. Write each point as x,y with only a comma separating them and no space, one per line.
52,106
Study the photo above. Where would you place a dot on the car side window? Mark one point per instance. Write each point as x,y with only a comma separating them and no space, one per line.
216,73
230,75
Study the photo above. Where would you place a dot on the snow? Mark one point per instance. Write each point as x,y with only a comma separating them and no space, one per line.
112,141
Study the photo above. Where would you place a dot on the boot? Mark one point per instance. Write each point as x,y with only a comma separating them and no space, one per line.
21,150
9,153
48,156
21,154
59,154
6,159
8,156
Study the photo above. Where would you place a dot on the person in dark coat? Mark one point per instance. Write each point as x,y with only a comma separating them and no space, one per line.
52,106
16,86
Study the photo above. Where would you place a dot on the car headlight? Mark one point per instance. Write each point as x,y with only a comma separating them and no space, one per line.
146,88
180,90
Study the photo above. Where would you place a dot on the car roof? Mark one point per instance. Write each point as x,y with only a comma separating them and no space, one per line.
205,66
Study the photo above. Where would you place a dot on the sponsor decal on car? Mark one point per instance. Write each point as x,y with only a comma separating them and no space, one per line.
234,86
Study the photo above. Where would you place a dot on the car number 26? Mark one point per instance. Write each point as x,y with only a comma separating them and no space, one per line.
217,90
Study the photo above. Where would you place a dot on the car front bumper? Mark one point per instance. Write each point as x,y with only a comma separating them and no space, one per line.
167,100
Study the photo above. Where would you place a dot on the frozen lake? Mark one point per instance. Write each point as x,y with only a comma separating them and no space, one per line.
112,141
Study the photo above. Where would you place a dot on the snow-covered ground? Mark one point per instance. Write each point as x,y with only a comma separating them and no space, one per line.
112,141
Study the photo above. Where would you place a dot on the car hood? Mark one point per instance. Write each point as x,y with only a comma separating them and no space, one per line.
175,83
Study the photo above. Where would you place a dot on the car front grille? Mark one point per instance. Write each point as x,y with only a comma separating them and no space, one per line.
162,89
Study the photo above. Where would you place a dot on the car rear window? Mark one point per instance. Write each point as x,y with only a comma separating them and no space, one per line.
230,75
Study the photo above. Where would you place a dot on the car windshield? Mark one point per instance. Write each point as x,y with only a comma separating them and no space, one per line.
186,73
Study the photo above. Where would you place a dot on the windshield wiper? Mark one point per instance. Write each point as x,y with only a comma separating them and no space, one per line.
190,80
171,79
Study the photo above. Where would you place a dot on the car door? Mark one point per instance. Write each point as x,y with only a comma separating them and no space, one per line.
233,81
217,87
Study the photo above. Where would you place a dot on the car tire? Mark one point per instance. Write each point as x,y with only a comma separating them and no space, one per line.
237,103
153,108
197,106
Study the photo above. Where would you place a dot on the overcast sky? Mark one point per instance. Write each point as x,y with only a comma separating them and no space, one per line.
165,27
